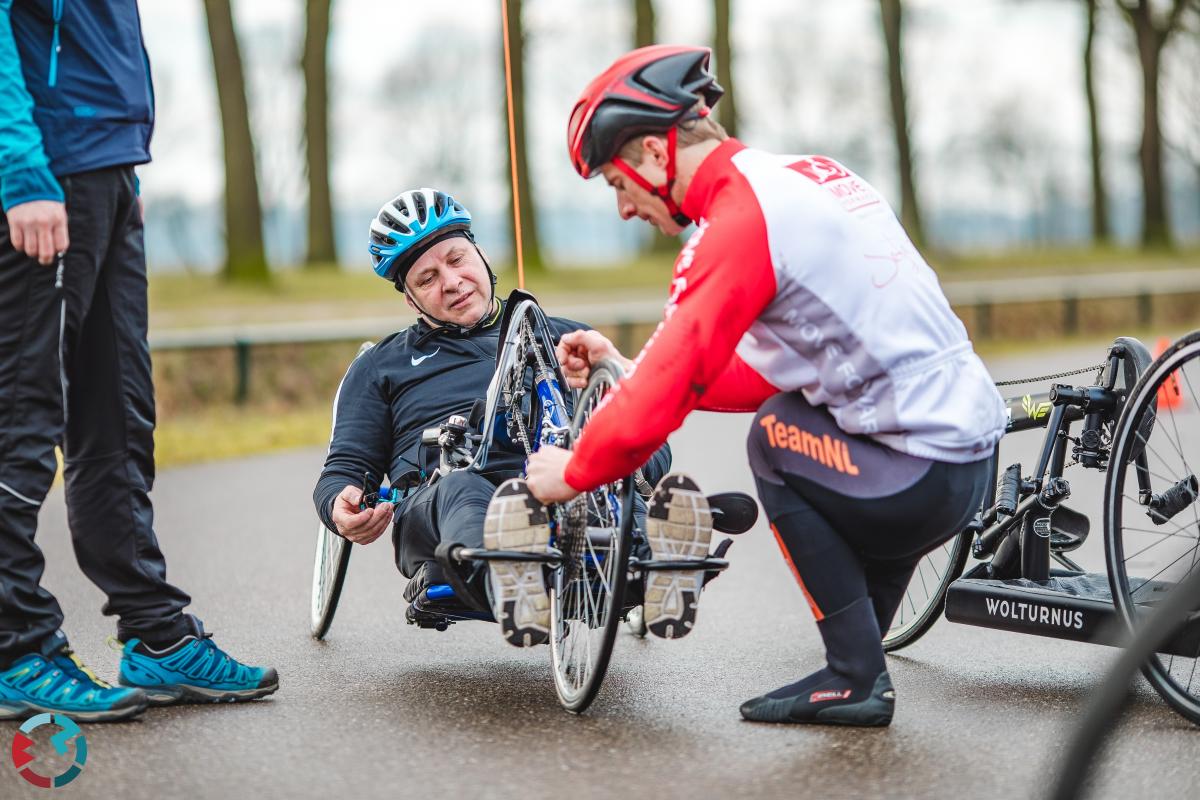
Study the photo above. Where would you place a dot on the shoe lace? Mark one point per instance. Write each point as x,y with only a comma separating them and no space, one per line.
71,664
221,662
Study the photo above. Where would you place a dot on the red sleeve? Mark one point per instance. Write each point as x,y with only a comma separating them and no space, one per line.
723,281
738,388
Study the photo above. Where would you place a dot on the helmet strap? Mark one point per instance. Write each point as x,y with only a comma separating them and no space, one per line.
662,192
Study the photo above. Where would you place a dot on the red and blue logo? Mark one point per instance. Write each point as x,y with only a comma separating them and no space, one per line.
25,761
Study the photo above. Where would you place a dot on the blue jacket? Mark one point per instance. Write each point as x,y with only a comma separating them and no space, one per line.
75,93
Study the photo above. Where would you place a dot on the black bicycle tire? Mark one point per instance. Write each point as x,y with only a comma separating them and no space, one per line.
1109,699
1144,393
616,596
321,624
933,611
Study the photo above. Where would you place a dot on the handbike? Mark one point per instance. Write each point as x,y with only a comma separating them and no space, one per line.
1140,421
589,560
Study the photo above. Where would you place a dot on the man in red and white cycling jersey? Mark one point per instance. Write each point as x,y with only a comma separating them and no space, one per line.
800,297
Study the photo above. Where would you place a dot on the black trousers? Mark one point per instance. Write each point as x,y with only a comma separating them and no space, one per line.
97,403
453,510
852,516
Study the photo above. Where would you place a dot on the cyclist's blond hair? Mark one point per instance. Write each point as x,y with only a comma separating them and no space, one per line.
691,131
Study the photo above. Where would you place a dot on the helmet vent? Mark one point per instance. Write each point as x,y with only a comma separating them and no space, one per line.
394,223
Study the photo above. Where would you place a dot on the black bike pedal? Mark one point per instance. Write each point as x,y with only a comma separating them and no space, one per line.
733,512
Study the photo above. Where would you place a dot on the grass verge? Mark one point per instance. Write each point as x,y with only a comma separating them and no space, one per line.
231,432
236,433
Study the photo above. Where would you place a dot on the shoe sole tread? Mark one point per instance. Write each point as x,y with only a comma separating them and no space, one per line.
678,528
516,521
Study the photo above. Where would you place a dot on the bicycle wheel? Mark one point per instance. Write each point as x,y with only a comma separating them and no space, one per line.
595,532
535,411
925,596
1108,700
1151,517
329,573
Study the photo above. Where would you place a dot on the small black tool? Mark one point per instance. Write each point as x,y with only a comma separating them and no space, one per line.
370,495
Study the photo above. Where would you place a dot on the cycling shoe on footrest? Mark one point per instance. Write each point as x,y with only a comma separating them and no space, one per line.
679,526
517,521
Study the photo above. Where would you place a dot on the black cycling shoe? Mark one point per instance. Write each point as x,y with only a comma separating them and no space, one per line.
827,698
853,689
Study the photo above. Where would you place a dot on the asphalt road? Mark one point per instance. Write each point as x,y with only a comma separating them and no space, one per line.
382,709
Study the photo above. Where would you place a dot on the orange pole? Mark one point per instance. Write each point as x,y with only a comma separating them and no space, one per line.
512,149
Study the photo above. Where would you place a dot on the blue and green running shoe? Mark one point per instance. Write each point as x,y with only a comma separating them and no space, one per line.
193,670
59,682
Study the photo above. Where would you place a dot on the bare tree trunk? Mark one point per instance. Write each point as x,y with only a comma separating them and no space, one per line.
245,259
643,23
727,110
1100,232
1151,38
529,237
910,212
645,33
322,249
1155,230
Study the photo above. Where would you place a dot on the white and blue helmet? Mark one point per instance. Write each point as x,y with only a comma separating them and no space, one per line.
409,225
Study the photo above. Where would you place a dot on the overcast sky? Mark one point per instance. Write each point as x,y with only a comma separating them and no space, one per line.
417,94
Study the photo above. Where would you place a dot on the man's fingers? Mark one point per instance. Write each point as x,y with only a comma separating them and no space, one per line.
572,338
377,521
17,234
372,519
45,253
61,238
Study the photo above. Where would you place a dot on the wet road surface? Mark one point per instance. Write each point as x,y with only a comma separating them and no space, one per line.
383,709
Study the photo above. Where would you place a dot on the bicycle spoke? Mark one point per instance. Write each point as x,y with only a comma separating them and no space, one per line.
1160,572
921,575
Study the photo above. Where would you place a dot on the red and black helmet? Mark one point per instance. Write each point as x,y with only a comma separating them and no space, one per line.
648,90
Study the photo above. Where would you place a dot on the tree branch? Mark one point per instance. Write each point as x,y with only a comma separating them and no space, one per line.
1164,33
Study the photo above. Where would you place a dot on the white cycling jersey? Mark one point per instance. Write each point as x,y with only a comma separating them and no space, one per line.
799,277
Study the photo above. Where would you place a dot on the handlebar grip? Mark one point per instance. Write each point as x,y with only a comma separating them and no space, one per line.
1009,491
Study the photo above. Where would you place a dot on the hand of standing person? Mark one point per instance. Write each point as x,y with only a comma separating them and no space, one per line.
39,229
578,350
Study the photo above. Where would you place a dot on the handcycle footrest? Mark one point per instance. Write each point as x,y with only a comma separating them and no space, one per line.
438,607
552,557
1070,605
706,564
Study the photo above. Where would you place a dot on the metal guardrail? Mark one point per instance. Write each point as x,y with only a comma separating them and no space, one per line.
980,295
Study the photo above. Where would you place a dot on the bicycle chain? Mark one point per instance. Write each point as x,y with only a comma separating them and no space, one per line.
1080,371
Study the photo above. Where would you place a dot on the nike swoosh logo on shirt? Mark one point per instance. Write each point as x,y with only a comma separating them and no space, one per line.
416,362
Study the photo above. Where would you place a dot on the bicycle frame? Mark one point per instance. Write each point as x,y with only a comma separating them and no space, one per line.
552,408
1030,503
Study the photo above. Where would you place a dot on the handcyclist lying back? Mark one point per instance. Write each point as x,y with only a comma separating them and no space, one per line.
416,378
798,296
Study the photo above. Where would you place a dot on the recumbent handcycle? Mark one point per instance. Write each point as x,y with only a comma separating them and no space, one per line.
590,561
1139,422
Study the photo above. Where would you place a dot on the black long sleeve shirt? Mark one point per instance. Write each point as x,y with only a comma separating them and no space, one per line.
412,380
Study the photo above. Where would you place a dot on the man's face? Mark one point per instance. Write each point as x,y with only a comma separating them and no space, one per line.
634,201
450,281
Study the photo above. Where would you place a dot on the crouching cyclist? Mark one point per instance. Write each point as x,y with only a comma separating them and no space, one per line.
800,297
414,379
